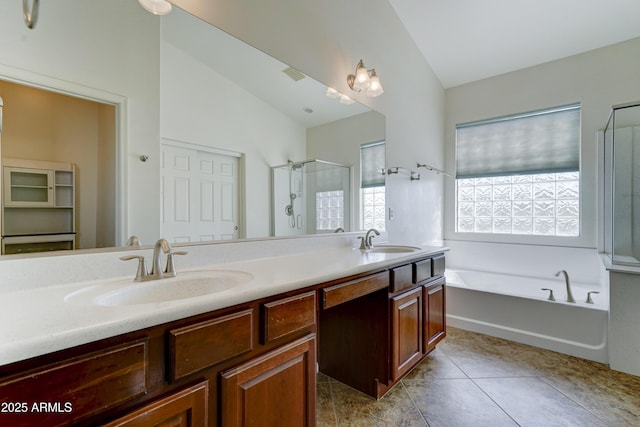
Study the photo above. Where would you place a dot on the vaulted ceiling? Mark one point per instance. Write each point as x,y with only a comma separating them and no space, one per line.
469,40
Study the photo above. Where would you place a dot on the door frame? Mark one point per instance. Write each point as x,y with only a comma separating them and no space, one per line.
63,87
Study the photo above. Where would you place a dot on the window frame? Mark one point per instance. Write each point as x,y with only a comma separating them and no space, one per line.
451,222
361,189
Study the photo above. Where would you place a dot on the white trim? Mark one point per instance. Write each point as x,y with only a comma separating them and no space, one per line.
52,84
36,164
199,147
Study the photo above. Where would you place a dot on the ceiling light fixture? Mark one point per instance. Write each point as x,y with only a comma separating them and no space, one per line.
365,80
341,97
30,14
157,7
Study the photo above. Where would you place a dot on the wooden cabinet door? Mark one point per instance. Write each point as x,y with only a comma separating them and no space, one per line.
434,314
406,331
186,408
276,389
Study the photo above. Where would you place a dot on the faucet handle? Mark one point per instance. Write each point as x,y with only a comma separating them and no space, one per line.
551,297
170,269
141,273
589,300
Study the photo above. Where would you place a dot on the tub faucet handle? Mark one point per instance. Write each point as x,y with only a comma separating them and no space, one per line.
589,300
551,297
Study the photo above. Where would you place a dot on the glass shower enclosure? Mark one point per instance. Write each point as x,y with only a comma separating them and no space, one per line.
622,184
311,196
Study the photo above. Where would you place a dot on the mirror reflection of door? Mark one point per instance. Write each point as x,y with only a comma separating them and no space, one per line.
199,194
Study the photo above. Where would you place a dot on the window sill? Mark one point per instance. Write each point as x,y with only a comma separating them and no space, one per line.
522,239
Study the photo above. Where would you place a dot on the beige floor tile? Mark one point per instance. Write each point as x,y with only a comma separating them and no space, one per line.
532,402
356,409
457,402
476,380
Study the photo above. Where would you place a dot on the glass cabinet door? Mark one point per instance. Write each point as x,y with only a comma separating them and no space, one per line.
28,187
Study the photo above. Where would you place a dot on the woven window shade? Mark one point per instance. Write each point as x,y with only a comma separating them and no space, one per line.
539,142
372,161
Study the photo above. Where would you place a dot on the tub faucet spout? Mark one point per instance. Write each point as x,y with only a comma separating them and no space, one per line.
569,297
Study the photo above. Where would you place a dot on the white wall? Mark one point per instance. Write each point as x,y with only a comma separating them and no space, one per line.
624,318
199,106
340,142
598,79
106,46
325,40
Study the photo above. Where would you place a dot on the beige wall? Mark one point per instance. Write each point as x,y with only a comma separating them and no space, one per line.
42,125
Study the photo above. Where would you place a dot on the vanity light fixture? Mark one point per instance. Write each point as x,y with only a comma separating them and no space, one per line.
157,7
365,80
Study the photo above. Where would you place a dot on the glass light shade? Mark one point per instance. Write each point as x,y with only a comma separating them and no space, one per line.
332,93
375,88
157,7
362,80
344,99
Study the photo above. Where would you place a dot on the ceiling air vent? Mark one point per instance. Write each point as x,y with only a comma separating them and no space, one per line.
293,74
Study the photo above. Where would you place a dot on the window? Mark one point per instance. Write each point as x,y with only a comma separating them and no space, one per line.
520,174
372,190
329,210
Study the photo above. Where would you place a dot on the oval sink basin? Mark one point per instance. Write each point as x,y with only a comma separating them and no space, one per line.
185,285
392,249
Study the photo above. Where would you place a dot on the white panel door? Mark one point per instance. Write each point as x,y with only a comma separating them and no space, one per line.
199,195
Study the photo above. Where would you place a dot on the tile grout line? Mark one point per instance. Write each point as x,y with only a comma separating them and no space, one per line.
550,384
495,403
481,389
333,403
415,405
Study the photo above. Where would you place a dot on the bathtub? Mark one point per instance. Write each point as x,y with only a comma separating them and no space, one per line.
515,308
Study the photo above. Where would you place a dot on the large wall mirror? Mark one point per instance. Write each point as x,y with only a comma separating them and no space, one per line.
197,102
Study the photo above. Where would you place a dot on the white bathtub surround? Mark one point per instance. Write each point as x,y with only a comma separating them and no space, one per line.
514,307
33,291
584,265
624,322
503,297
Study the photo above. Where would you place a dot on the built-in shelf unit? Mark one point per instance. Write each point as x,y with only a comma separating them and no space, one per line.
38,206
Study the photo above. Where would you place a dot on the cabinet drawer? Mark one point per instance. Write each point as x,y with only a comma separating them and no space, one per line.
343,292
438,266
287,316
81,386
186,407
204,344
422,270
401,278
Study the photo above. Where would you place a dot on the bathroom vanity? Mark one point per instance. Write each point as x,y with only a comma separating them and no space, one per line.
249,363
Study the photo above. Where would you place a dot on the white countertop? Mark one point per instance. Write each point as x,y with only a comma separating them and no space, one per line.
38,321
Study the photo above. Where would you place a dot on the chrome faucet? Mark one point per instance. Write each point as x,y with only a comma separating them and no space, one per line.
156,265
366,242
569,297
